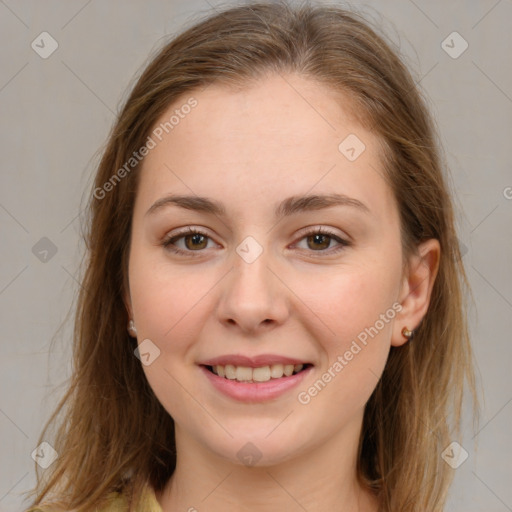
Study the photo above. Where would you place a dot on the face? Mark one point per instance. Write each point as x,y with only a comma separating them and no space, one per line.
267,282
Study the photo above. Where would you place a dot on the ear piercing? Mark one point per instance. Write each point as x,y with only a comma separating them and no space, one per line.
408,334
131,328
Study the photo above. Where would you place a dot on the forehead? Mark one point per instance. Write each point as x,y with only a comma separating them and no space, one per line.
285,112
275,133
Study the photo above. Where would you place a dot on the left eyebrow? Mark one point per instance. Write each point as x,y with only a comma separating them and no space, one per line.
289,206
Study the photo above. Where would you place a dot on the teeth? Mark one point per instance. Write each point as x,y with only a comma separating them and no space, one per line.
276,371
260,374
288,369
243,373
230,371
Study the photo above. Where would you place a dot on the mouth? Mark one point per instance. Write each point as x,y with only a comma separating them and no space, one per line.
253,375
259,378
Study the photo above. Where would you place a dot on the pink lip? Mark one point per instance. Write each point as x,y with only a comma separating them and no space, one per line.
251,362
254,391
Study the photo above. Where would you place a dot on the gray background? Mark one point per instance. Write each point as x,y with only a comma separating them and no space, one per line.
56,114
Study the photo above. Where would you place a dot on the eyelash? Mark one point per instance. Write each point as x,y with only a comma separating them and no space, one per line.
168,242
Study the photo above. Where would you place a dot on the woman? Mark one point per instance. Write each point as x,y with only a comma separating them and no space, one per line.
272,314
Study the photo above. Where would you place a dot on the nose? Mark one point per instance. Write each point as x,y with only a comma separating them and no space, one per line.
253,296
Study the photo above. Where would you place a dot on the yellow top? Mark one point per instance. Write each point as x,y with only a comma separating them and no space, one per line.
118,503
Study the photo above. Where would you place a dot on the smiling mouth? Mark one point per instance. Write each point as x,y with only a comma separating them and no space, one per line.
260,374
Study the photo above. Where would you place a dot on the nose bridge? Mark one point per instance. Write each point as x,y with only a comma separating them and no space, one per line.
252,295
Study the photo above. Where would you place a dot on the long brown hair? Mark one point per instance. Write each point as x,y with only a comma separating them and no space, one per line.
114,434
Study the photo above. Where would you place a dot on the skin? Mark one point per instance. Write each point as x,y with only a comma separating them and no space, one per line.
250,149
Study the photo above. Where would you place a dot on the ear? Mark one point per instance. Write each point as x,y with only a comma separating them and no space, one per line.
416,289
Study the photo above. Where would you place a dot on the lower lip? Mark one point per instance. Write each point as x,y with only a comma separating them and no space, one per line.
255,391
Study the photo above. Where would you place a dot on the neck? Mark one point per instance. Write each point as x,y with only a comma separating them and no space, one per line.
321,478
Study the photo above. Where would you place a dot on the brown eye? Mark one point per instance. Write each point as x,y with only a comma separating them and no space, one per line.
319,240
194,241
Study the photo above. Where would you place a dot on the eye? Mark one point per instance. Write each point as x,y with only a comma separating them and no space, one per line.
196,239
320,238
193,238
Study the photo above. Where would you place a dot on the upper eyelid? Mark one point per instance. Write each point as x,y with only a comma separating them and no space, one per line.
303,232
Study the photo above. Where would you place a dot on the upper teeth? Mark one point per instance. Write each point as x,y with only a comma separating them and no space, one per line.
261,374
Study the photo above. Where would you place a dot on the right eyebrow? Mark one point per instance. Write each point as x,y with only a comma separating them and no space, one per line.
289,206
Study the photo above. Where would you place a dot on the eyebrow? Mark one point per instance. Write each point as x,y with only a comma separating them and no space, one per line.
289,206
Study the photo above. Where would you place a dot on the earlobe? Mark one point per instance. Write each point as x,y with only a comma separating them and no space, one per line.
416,290
131,324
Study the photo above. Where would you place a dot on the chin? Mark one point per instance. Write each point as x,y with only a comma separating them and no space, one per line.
258,450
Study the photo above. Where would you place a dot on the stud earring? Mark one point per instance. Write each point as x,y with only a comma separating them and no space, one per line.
408,334
131,328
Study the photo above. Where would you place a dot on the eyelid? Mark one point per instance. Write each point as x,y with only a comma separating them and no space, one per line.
181,233
327,230
189,230
342,239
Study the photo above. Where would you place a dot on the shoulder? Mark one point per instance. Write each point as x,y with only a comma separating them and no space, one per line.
117,502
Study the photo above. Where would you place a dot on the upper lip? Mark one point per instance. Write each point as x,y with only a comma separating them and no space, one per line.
251,362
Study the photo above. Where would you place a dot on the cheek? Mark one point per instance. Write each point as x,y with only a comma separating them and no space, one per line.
346,303
353,318
167,304
164,297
